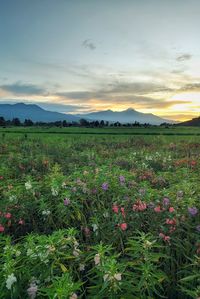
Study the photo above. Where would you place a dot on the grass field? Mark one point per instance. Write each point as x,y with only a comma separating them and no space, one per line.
99,213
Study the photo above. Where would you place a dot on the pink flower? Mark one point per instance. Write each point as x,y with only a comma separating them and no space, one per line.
171,209
1,228
123,226
123,212
115,209
171,221
8,215
157,209
66,201
164,237
21,221
139,206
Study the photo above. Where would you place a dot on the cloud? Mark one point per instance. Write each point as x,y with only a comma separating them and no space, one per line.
19,88
184,57
88,44
191,87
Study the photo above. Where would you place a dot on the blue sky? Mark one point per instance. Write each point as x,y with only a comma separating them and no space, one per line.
79,56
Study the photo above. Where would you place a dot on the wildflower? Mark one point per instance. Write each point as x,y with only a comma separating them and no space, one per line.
81,267
105,214
28,185
76,252
171,221
164,237
115,209
123,226
118,276
54,191
106,277
142,191
104,186
198,228
166,201
66,201
8,215
97,259
12,198
180,194
73,296
157,209
87,231
32,290
151,205
21,222
121,179
46,213
1,228
139,206
10,280
95,227
123,212
193,211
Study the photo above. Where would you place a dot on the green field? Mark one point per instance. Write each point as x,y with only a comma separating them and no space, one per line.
99,213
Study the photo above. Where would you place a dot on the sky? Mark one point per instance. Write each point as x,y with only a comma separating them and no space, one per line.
80,56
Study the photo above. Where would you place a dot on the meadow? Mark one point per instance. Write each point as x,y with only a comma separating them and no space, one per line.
99,213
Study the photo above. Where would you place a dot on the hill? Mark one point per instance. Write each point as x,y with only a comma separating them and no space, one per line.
33,112
127,116
195,122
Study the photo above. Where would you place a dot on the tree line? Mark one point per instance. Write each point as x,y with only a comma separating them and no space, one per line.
16,122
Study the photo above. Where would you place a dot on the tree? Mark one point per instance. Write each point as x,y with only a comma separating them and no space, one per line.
83,122
16,122
2,121
28,123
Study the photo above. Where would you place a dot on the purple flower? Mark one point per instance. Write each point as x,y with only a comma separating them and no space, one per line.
66,201
151,205
192,211
198,228
166,201
122,179
142,191
104,186
94,191
32,290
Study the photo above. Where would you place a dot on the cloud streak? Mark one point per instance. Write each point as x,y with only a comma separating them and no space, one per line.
19,88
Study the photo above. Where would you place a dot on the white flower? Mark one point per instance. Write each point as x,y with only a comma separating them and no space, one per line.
32,290
95,227
54,191
12,198
10,280
73,296
97,259
17,252
118,276
81,267
28,185
46,213
106,277
76,252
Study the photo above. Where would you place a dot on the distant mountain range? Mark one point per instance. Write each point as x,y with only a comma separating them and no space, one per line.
127,116
33,112
36,114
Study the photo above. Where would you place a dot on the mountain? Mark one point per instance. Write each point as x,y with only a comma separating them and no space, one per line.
33,112
195,122
127,116
36,114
